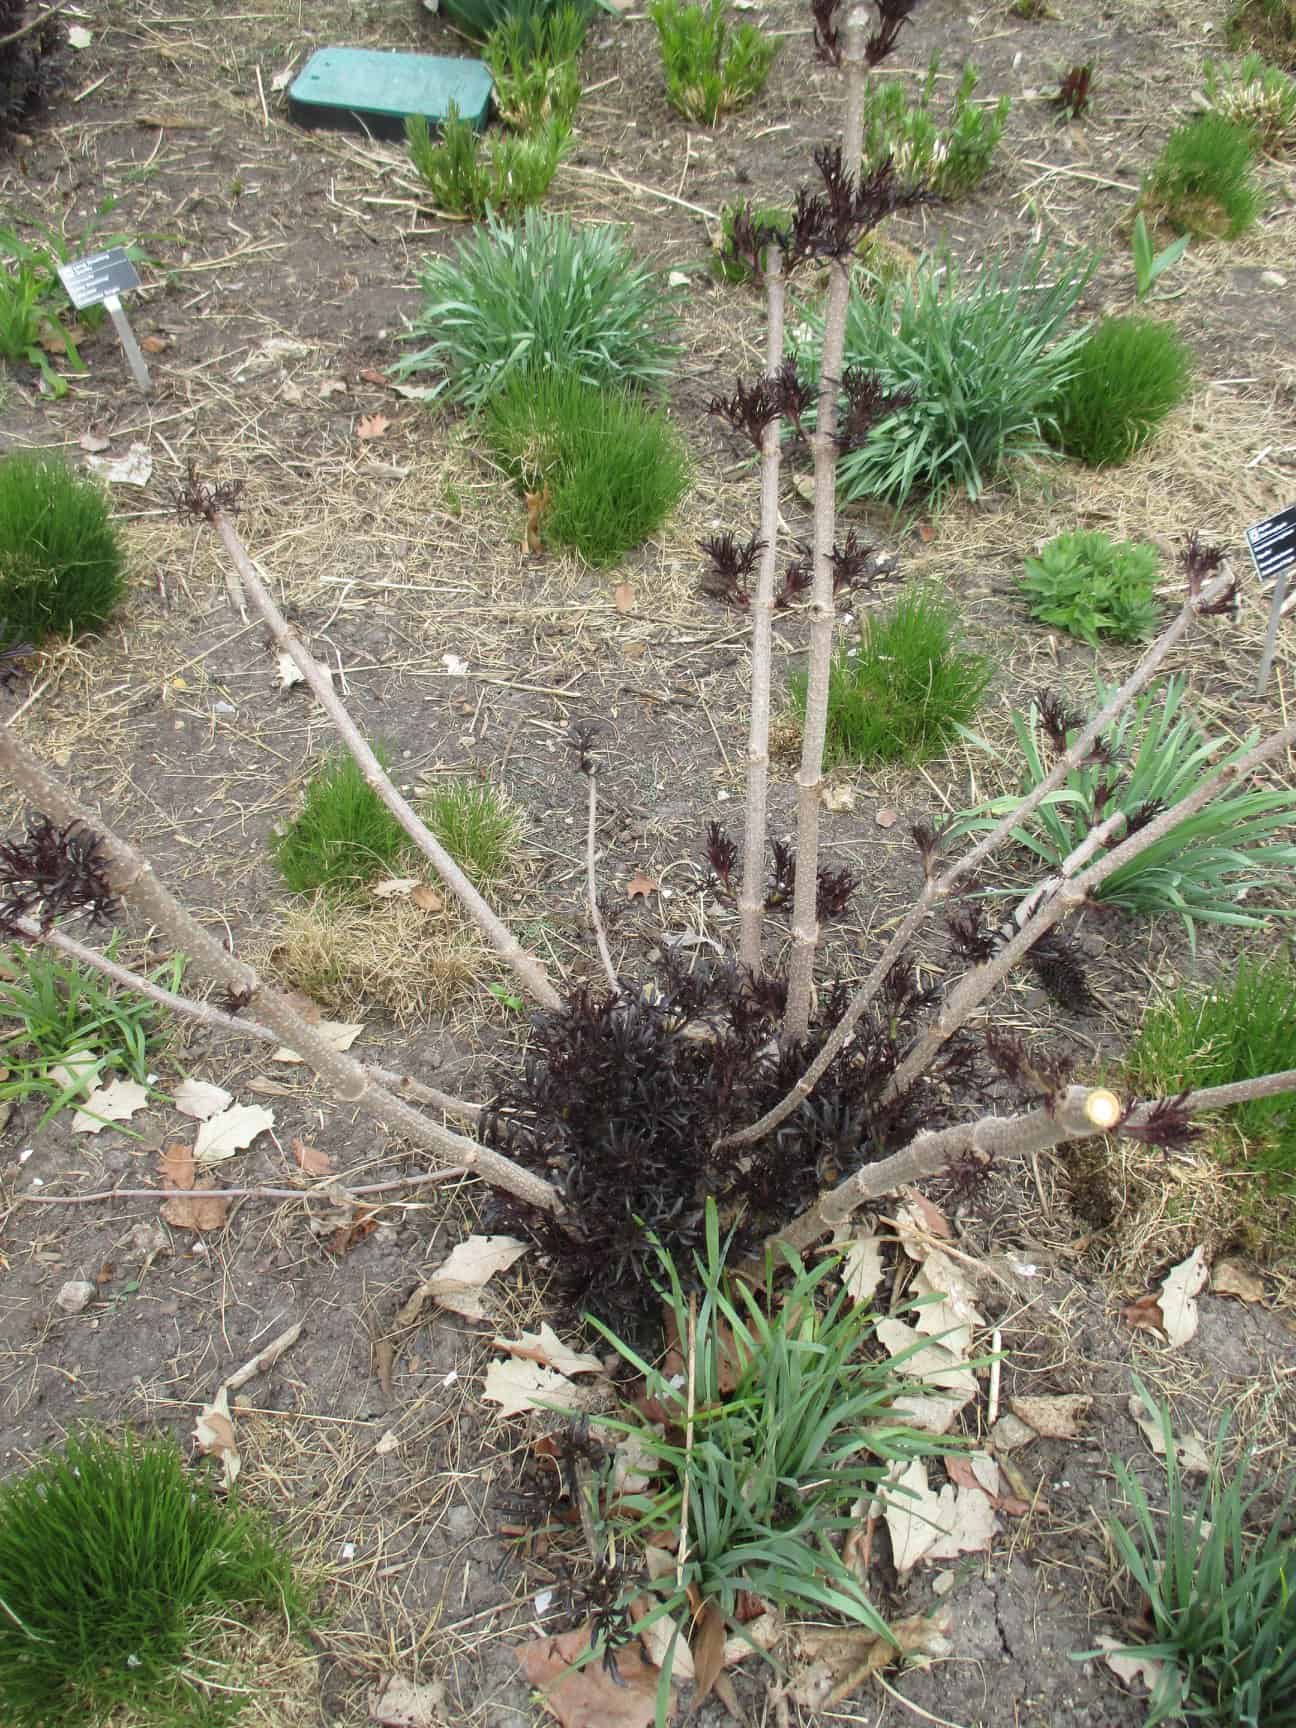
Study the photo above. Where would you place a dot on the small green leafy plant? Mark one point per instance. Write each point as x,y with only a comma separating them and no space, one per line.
1128,374
1204,868
1149,266
1242,1028
532,60
905,689
468,177
59,1016
1094,586
607,467
478,827
343,836
62,564
544,294
1260,97
1219,1594
783,1427
119,1569
1203,182
1269,26
984,361
711,68
949,154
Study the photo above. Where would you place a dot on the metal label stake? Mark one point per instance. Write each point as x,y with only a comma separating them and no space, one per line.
100,280
1273,552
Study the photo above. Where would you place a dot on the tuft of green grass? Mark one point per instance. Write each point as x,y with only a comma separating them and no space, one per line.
1094,586
1203,183
949,154
343,836
711,68
543,295
60,1015
901,693
62,565
984,361
785,1423
117,1567
532,60
1204,868
468,177
1128,375
1242,1028
608,467
1266,25
1218,1593
1257,96
480,18
478,827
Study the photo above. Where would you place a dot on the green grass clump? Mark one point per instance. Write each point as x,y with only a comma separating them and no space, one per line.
1206,867
1218,1594
343,836
117,1570
1241,1029
1257,96
1128,375
711,68
532,60
468,177
542,295
481,18
789,1417
902,693
1203,182
1094,586
478,827
950,154
1268,26
984,360
62,565
59,1015
613,468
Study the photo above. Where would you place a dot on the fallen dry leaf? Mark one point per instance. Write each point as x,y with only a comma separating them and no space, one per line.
392,887
1189,1450
230,1131
862,1269
1231,1278
517,1386
911,1511
93,442
623,597
1053,1418
363,1222
214,1436
640,886
842,1661
337,1034
287,671
309,1159
837,798
1179,1292
547,1348
78,1071
950,1383
708,1650
372,425
590,1697
201,1213
371,375
400,1703
135,468
200,1098
155,344
457,1282
1129,1667
1143,1314
427,899
886,817
118,1101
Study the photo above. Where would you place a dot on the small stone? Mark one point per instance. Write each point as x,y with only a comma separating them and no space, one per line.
75,1296
1010,1432
1273,279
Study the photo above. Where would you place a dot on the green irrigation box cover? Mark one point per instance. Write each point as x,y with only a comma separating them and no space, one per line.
364,89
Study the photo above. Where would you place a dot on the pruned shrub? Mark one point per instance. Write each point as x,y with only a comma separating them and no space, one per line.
119,1569
62,564
343,836
901,692
1203,183
951,152
1128,374
603,468
543,294
983,360
711,68
1093,586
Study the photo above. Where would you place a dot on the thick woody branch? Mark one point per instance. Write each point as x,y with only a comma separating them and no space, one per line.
133,878
1081,1113
938,888
217,1020
526,967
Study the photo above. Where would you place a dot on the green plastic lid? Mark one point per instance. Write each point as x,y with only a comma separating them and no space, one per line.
368,90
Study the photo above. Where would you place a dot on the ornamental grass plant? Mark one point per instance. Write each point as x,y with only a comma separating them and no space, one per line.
1203,183
343,836
1128,375
62,562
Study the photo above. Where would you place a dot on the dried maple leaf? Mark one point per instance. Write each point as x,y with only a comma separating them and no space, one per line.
309,1159
640,886
214,1435
188,1212
372,425
363,1223
593,1696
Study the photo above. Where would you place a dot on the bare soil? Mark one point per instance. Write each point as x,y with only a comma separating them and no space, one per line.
283,265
